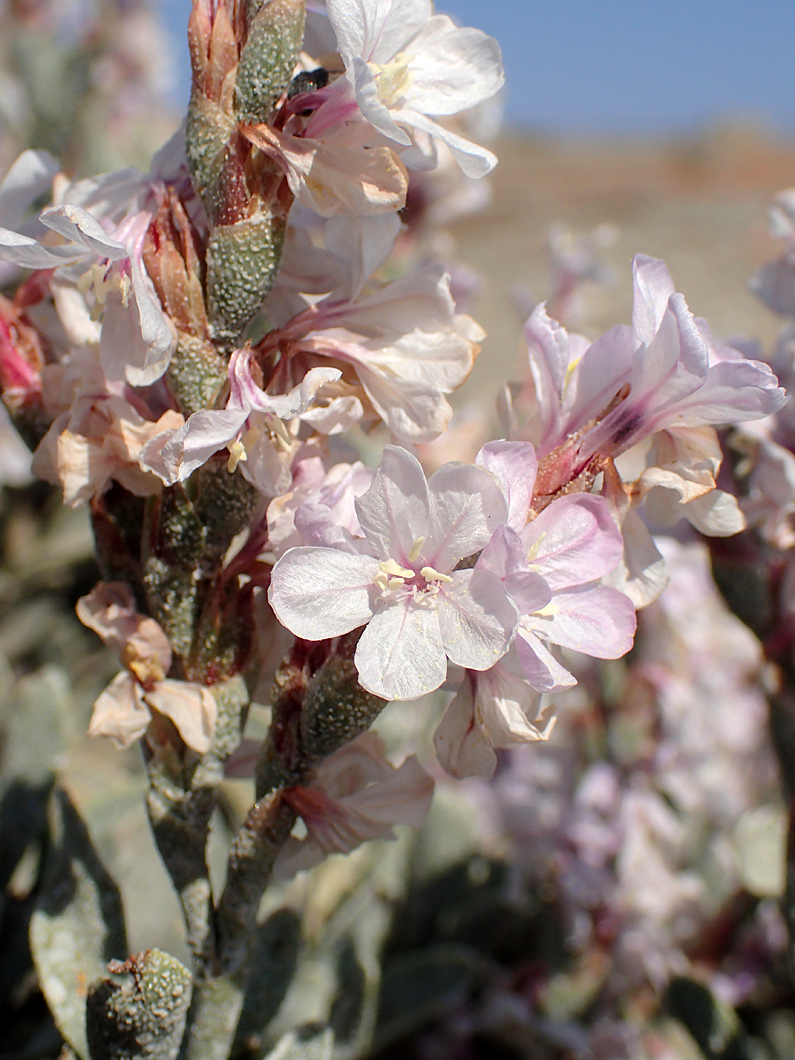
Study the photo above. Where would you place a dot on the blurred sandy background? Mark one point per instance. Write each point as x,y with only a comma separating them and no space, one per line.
699,202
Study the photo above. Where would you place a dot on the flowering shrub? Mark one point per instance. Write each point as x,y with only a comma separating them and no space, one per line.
208,355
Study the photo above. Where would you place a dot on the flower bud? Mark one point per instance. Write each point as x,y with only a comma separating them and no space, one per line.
269,56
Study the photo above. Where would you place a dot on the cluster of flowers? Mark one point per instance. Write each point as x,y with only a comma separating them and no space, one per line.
654,819
231,311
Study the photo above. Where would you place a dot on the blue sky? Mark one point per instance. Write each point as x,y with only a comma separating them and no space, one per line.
624,66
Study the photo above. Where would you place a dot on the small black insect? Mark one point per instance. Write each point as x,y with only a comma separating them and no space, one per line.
307,81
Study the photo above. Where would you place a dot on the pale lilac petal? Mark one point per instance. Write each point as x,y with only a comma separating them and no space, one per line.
599,621
601,372
515,466
474,160
716,514
376,30
642,575
400,654
733,391
245,394
461,746
653,287
476,619
505,556
674,362
265,466
574,540
341,173
395,511
466,507
136,342
548,343
539,665
321,592
358,247
371,106
79,227
454,68
505,705
28,253
29,177
192,445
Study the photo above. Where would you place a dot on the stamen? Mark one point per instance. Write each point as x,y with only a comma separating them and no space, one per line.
416,548
431,575
394,78
237,452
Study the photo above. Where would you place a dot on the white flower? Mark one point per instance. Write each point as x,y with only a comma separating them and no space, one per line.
102,253
405,63
419,610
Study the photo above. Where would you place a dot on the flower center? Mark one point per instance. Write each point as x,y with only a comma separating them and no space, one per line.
425,583
394,78
258,426
100,281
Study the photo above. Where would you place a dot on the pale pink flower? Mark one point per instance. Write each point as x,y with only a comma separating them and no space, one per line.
355,795
97,435
253,426
551,567
30,177
495,708
342,172
419,611
123,711
404,64
94,240
633,382
404,343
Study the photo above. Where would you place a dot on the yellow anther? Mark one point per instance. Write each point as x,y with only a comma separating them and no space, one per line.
570,373
394,78
431,575
237,452
125,286
416,548
390,566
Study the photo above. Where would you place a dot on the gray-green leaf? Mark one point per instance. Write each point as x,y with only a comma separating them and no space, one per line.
78,923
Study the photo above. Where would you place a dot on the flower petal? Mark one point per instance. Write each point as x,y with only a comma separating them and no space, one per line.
394,512
454,68
191,708
400,654
119,713
321,592
461,746
599,621
476,619
573,541
466,507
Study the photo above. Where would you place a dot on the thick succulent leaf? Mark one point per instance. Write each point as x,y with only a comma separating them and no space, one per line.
78,923
713,1025
307,1043
275,958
